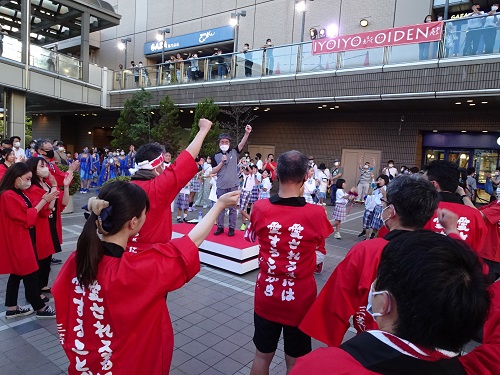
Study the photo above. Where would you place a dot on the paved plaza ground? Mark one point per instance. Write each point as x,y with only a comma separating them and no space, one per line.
212,315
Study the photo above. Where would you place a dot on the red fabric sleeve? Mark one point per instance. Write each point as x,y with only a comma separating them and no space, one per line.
345,291
175,177
18,211
483,360
161,269
58,175
35,194
491,212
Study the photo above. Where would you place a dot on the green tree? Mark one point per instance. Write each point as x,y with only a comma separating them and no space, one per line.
167,131
28,131
133,125
207,109
239,117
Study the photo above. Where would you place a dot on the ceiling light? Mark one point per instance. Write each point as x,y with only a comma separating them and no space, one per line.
337,107
484,102
90,133
470,101
324,105
464,131
458,103
472,104
434,131
181,110
332,107
363,22
191,111
320,107
485,131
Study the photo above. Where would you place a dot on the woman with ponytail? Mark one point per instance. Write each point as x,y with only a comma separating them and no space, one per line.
100,328
18,247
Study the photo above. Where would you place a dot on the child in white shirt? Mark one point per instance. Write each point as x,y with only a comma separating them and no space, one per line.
339,212
266,185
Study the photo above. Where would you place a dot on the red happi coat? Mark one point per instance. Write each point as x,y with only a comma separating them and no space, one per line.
346,294
484,359
16,250
289,233
44,243
121,324
470,224
162,191
491,247
329,361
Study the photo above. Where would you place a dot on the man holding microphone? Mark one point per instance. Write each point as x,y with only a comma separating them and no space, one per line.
224,164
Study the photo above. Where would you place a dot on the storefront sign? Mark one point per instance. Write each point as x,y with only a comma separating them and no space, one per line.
426,32
219,34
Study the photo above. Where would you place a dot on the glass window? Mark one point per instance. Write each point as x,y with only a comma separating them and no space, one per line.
485,161
431,155
461,158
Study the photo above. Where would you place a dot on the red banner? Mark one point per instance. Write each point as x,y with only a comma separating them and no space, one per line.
422,33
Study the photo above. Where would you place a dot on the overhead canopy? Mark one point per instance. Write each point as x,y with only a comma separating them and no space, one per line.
56,20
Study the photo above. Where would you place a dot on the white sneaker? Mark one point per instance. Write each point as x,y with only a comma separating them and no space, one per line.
337,235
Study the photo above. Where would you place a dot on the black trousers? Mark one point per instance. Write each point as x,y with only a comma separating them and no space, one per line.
31,289
43,272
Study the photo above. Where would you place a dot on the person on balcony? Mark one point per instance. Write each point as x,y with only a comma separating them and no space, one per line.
474,30
268,54
490,29
248,60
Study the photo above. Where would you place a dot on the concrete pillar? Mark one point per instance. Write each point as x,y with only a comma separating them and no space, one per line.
25,37
16,113
84,45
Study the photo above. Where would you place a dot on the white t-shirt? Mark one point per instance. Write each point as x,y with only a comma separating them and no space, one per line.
248,182
377,195
213,190
393,171
259,164
323,178
340,196
20,154
266,184
185,190
309,186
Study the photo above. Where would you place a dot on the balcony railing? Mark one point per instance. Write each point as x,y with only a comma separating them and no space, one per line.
43,58
460,39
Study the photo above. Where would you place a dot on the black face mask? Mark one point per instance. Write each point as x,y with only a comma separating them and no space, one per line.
49,154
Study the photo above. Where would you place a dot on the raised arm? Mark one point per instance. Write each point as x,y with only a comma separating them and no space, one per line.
248,130
203,228
195,146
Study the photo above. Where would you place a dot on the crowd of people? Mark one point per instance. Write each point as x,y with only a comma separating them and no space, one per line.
423,287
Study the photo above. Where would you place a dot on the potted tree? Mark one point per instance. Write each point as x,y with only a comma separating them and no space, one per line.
73,188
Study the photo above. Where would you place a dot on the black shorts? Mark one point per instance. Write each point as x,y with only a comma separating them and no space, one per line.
267,335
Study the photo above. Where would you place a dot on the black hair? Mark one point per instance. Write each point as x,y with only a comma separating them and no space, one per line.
322,166
40,142
390,161
6,142
339,183
270,155
445,173
149,151
13,172
32,164
429,15
385,178
128,201
258,155
14,137
471,170
415,200
269,173
414,170
292,167
5,153
439,288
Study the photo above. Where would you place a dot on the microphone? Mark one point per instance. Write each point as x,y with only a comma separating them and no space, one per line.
224,153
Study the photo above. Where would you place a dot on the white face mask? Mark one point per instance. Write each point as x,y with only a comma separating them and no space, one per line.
336,163
43,172
391,165
122,153
494,8
17,144
61,148
440,18
224,148
24,184
369,306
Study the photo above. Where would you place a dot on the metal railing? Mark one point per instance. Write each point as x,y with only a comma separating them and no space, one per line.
460,38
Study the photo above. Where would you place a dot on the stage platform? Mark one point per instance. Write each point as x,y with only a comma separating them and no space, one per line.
232,254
